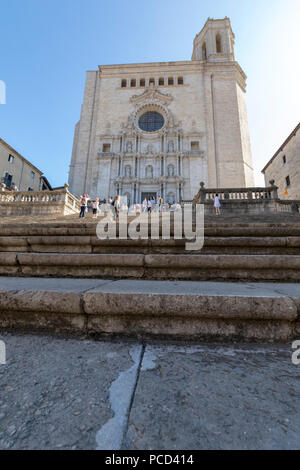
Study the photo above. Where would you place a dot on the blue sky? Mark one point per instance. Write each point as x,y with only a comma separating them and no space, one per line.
46,46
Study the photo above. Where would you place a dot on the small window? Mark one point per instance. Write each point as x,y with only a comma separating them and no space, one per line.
218,43
106,148
288,181
170,81
32,175
11,158
161,81
142,82
151,81
124,83
30,188
133,83
180,80
284,159
194,146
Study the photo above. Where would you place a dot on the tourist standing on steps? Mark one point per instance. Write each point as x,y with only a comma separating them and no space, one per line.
117,206
83,205
217,204
95,206
145,205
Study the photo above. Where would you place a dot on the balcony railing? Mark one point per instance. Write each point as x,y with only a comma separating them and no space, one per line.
237,194
61,198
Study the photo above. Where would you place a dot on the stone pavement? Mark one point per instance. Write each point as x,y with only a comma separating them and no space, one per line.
67,393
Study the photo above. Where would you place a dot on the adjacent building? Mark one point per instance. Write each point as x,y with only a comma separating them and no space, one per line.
17,170
284,167
162,128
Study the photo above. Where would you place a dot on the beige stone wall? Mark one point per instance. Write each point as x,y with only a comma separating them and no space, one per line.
278,170
20,169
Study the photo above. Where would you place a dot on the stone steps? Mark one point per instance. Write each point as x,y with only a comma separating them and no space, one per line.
242,250
153,266
91,244
183,310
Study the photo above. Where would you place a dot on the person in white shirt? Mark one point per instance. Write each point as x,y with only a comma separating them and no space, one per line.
217,204
145,205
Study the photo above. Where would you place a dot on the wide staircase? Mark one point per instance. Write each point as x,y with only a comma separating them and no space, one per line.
242,284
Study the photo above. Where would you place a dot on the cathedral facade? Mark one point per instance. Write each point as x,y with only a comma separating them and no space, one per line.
162,128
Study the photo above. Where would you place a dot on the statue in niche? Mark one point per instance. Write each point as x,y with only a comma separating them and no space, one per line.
171,146
128,171
170,170
149,171
129,147
150,148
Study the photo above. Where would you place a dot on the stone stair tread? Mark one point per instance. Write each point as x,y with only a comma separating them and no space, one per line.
181,309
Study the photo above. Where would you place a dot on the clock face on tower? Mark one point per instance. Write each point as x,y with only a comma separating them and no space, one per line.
151,121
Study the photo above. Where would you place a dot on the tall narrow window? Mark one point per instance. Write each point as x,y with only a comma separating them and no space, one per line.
288,181
142,82
170,81
133,82
204,55
124,83
180,81
284,159
161,81
218,43
11,158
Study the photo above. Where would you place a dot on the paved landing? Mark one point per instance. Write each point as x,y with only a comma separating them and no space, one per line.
247,289
64,393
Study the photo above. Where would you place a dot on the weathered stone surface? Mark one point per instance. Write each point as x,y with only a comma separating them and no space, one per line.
8,259
216,397
223,261
150,308
40,301
188,299
55,393
117,260
195,329
12,241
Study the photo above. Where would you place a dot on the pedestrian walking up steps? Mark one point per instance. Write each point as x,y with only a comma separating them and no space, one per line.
244,284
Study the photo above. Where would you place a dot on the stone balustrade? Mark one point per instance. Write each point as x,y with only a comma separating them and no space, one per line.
252,200
60,202
240,194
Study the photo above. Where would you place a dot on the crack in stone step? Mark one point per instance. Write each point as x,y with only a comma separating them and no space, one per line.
111,434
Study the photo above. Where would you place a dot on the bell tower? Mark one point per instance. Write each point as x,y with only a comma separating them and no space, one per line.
215,42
